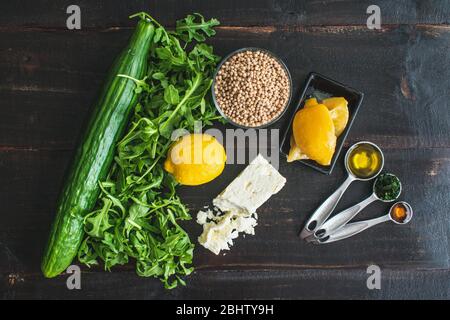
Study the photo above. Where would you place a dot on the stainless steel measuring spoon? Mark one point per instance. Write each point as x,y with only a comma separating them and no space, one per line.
353,228
340,219
326,208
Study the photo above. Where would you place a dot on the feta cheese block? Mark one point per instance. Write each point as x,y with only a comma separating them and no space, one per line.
254,186
235,208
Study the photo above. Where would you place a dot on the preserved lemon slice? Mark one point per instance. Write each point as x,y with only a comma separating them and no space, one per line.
310,102
334,102
295,153
338,107
314,133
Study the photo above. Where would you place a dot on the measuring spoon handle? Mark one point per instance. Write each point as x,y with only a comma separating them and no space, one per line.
351,229
341,218
323,212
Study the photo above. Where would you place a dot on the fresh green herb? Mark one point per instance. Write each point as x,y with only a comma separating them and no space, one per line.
138,213
189,28
387,187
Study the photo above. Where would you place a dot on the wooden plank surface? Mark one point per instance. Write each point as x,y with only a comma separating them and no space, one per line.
51,76
107,13
231,284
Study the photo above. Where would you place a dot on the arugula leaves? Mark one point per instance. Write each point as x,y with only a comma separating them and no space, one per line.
138,212
189,28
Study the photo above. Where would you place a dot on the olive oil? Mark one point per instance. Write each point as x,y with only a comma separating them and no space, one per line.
365,161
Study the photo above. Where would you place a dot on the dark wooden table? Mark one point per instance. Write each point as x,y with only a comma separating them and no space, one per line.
50,77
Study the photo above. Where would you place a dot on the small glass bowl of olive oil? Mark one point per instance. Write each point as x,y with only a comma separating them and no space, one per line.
364,160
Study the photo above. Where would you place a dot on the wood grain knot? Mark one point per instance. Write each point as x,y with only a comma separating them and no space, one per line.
14,278
406,89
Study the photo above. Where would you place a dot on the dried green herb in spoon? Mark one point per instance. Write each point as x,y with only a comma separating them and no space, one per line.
387,187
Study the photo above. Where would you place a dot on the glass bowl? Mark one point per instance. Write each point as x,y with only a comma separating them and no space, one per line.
284,108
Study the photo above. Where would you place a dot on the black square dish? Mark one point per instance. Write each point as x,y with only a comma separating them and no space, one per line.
322,87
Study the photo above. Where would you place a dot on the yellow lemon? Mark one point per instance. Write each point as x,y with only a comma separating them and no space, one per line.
338,107
314,133
195,159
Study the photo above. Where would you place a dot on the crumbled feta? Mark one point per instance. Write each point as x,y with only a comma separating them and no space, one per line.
238,204
202,216
219,235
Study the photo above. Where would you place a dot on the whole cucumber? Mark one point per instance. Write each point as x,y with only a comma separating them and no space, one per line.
94,156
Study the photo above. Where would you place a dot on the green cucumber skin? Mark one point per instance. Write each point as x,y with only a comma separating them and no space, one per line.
95,154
